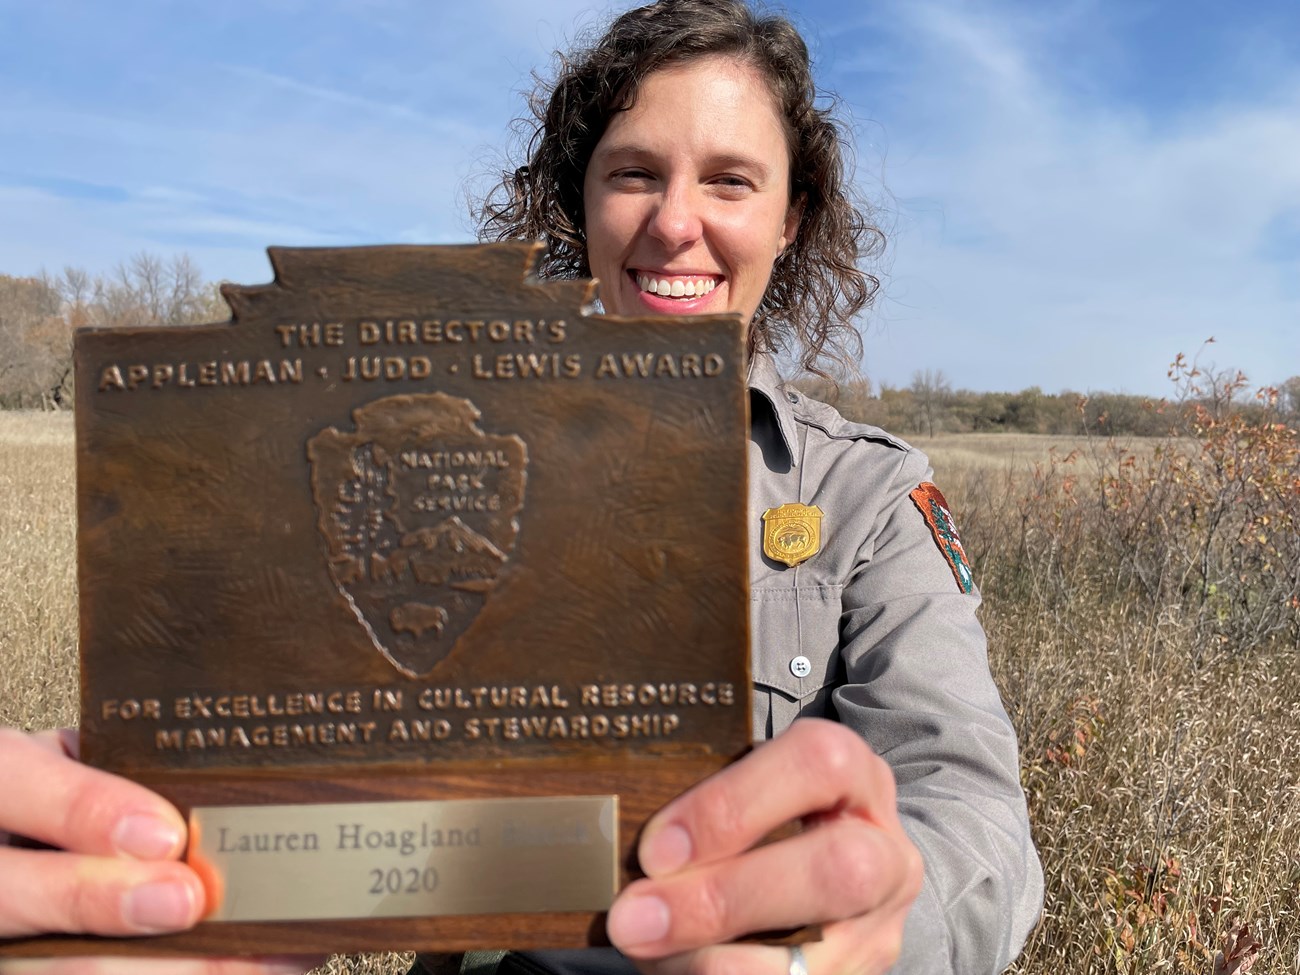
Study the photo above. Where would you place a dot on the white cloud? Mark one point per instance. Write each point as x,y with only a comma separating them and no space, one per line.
1046,231
1052,238
321,137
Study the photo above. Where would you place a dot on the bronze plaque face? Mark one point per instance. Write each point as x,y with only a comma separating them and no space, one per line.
414,526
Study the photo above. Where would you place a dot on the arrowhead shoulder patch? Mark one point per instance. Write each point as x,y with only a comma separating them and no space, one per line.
929,500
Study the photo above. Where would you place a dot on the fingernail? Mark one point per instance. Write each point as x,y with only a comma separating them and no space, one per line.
160,906
637,921
666,850
147,837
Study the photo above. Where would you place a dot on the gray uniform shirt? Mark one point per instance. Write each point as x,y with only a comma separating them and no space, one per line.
897,655
892,649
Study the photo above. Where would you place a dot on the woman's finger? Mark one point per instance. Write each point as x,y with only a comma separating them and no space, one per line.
815,767
846,868
158,966
867,945
60,741
47,796
51,891
751,959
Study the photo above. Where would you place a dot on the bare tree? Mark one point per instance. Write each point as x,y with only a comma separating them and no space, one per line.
38,316
146,290
74,286
1288,398
28,308
931,392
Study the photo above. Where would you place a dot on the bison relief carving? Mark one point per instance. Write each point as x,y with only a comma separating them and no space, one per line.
417,508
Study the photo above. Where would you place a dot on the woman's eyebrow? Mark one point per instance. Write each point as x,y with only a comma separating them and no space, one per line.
623,150
719,161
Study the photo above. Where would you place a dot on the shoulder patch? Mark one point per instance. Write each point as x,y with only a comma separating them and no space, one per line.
934,509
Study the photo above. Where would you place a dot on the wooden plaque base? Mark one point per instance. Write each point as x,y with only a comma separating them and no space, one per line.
642,785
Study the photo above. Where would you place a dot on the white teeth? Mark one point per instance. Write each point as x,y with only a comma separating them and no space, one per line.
677,288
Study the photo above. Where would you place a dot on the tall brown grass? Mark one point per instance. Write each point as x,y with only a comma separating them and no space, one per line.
38,583
1143,609
1161,750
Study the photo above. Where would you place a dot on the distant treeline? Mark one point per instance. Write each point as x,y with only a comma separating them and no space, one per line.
930,405
38,316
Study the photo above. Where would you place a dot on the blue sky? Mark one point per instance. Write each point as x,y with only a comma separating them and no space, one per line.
1074,191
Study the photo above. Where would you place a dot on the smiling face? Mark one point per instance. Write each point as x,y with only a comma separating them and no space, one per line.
687,194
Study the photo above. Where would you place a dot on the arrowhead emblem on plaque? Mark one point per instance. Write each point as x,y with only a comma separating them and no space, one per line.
417,508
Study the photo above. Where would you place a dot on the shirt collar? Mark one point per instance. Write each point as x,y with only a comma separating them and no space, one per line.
763,379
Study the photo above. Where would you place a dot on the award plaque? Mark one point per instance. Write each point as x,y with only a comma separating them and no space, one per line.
417,587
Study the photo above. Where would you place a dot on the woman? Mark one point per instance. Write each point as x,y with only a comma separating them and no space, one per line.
683,162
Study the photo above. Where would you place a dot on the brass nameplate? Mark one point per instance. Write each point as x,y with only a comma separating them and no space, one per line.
406,859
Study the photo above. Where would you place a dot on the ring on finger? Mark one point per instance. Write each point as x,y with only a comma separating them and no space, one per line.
798,963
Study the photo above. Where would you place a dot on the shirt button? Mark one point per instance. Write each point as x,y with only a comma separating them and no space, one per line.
792,397
801,666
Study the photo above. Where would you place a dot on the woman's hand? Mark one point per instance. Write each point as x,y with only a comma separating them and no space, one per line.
115,870
852,869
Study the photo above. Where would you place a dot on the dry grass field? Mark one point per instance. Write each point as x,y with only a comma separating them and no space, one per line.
1161,751
38,582
1160,756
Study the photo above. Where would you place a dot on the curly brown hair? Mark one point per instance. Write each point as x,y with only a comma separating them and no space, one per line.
817,285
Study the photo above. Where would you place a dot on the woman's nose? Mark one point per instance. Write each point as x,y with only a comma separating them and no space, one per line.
676,219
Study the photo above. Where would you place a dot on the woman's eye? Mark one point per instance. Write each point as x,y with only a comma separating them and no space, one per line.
732,186
630,176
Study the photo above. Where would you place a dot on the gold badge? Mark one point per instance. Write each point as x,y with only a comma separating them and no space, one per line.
792,533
